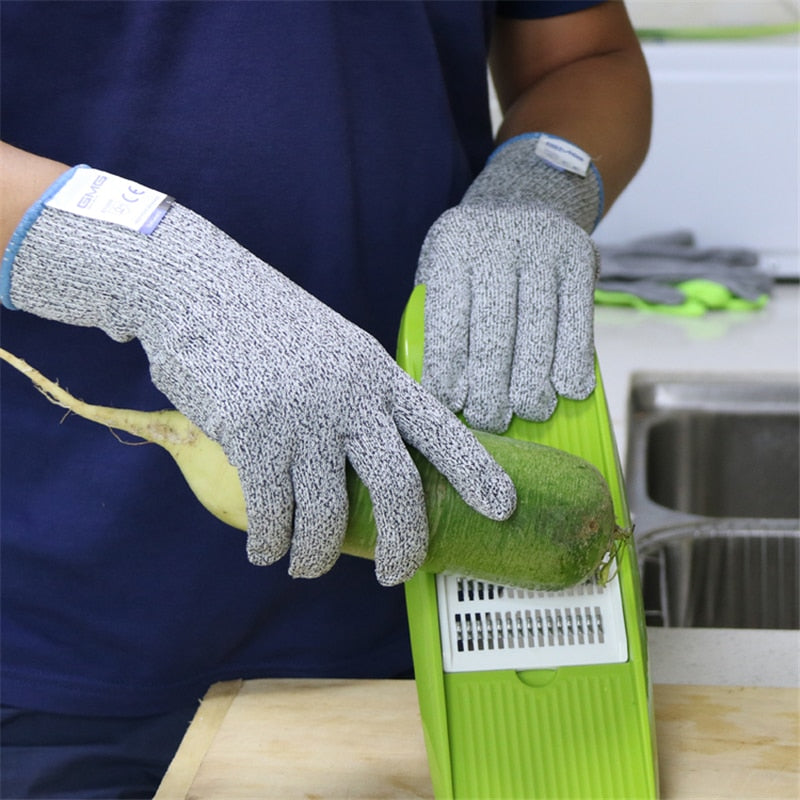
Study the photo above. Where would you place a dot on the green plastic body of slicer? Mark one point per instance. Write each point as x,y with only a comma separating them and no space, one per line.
571,732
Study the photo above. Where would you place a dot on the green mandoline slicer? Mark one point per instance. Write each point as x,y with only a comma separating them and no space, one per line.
532,695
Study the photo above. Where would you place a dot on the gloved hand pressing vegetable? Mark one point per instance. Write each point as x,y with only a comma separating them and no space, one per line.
510,275
289,388
671,274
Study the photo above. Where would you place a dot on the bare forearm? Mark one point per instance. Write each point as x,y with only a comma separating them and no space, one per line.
591,104
599,98
23,179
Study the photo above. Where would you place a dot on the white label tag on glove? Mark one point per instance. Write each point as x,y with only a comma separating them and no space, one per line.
109,198
562,155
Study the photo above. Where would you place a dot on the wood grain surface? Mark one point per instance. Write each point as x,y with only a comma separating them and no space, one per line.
333,739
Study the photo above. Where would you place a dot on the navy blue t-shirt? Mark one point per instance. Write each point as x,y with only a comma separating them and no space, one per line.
325,138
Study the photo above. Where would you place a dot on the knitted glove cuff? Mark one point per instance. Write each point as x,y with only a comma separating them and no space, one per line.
520,172
84,270
21,231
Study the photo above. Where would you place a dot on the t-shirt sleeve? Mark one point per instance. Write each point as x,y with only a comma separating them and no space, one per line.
538,9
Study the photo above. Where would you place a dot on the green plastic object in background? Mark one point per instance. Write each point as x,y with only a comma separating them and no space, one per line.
699,295
570,732
719,33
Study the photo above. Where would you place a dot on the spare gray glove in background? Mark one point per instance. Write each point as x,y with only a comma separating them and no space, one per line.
510,275
290,389
671,270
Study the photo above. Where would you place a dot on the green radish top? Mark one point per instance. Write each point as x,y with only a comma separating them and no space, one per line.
559,534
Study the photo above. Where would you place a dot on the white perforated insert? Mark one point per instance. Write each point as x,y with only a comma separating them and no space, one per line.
485,626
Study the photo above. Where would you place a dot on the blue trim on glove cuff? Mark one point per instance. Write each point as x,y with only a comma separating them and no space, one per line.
27,221
601,201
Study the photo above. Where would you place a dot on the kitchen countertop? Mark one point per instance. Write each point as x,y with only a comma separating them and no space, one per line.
725,657
334,739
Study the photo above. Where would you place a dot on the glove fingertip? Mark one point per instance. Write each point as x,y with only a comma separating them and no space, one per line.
536,405
317,540
321,509
574,386
495,496
269,520
493,418
397,561
262,553
301,566
382,462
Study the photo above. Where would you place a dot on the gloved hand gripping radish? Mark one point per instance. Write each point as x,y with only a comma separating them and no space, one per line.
290,389
510,276
562,530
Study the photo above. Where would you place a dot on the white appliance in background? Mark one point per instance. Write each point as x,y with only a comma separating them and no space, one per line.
723,161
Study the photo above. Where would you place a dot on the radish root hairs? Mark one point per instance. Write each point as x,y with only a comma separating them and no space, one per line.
137,423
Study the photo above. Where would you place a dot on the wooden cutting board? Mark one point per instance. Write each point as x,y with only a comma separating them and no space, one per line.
333,739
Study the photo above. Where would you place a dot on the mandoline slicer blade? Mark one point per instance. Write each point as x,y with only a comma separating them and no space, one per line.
527,695
484,626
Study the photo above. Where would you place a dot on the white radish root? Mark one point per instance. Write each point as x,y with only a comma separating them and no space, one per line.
201,460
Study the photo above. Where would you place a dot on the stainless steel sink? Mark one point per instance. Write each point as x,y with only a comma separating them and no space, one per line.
713,478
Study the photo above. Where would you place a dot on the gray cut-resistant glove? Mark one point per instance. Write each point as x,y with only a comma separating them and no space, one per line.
510,276
290,389
654,267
